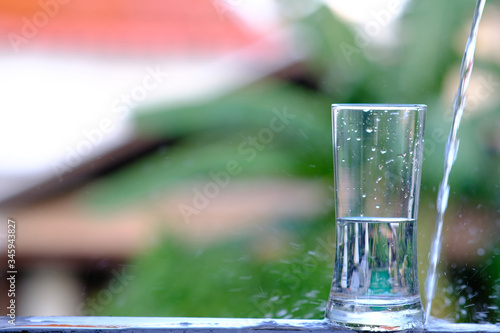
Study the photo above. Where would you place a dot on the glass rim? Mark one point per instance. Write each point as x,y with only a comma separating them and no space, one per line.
379,106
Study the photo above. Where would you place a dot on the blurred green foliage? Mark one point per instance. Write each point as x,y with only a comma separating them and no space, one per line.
235,278
228,279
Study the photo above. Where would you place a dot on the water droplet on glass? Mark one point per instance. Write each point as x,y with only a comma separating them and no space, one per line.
379,178
374,148
348,139
363,195
377,206
369,130
383,151
366,110
380,167
358,139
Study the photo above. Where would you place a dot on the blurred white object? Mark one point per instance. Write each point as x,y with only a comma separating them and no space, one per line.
61,110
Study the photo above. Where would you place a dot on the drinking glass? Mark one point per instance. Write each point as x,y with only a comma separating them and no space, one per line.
377,151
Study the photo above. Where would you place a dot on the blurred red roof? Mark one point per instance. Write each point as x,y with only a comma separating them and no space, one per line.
138,27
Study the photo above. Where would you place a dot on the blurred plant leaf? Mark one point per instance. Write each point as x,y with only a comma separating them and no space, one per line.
231,278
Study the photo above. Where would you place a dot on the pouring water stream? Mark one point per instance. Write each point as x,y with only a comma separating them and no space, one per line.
450,155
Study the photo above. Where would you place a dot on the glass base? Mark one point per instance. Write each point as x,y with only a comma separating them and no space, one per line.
376,314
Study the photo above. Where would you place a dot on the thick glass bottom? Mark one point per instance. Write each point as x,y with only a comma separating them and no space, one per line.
376,314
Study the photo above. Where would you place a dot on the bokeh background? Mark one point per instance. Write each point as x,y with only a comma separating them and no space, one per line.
173,158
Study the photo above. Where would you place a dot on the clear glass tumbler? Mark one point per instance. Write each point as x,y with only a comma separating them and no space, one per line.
377,151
